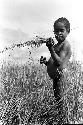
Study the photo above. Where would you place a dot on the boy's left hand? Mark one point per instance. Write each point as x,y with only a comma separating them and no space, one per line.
49,42
42,60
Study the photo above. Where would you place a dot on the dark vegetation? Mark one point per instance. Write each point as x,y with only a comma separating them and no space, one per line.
27,98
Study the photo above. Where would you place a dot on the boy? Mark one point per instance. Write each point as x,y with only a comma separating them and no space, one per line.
60,55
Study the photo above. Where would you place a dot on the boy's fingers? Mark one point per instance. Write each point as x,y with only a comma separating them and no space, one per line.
44,58
41,56
41,62
49,42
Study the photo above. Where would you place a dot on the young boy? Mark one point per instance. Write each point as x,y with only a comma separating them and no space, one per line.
60,55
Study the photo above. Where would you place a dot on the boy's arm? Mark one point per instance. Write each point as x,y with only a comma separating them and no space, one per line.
66,54
50,44
55,57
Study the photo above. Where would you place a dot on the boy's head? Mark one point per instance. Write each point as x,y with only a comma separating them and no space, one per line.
61,29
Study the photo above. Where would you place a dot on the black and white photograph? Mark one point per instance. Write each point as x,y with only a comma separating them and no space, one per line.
41,62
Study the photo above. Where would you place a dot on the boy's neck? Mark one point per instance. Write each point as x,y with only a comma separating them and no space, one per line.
60,43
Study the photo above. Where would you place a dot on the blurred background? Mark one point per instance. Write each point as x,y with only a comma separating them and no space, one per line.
22,20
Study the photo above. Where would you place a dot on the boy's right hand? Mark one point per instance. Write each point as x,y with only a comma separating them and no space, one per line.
49,42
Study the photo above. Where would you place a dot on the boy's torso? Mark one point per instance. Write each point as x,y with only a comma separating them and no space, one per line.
53,68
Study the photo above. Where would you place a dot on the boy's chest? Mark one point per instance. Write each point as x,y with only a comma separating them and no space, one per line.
59,49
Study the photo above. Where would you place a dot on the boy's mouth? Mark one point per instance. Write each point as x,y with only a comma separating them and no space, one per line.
60,37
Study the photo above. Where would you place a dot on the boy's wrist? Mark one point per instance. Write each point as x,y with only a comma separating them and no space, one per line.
50,48
46,63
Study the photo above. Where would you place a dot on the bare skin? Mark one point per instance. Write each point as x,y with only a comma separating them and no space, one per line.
60,55
60,52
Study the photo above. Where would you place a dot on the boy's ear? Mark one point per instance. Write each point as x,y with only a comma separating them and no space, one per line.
68,30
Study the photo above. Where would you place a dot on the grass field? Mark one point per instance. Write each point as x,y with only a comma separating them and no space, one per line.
27,98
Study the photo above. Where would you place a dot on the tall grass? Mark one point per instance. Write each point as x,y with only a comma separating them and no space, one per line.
26,94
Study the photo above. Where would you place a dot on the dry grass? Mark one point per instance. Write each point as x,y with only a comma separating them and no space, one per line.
26,95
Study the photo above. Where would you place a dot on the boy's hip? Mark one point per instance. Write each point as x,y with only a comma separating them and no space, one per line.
54,74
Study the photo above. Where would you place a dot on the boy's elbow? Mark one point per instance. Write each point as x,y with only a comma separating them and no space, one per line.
58,62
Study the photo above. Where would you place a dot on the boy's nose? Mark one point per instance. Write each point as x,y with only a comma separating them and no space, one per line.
59,33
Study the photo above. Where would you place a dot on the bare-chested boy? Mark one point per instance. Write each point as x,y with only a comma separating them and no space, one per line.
60,55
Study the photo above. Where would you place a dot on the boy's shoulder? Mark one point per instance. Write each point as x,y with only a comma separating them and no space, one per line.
67,44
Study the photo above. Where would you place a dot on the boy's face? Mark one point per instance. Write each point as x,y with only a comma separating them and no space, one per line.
60,32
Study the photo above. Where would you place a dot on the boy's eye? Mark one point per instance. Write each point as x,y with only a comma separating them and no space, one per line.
56,30
59,30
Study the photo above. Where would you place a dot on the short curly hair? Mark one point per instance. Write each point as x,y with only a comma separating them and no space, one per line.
65,21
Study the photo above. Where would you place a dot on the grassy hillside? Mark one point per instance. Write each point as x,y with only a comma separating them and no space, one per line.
27,98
